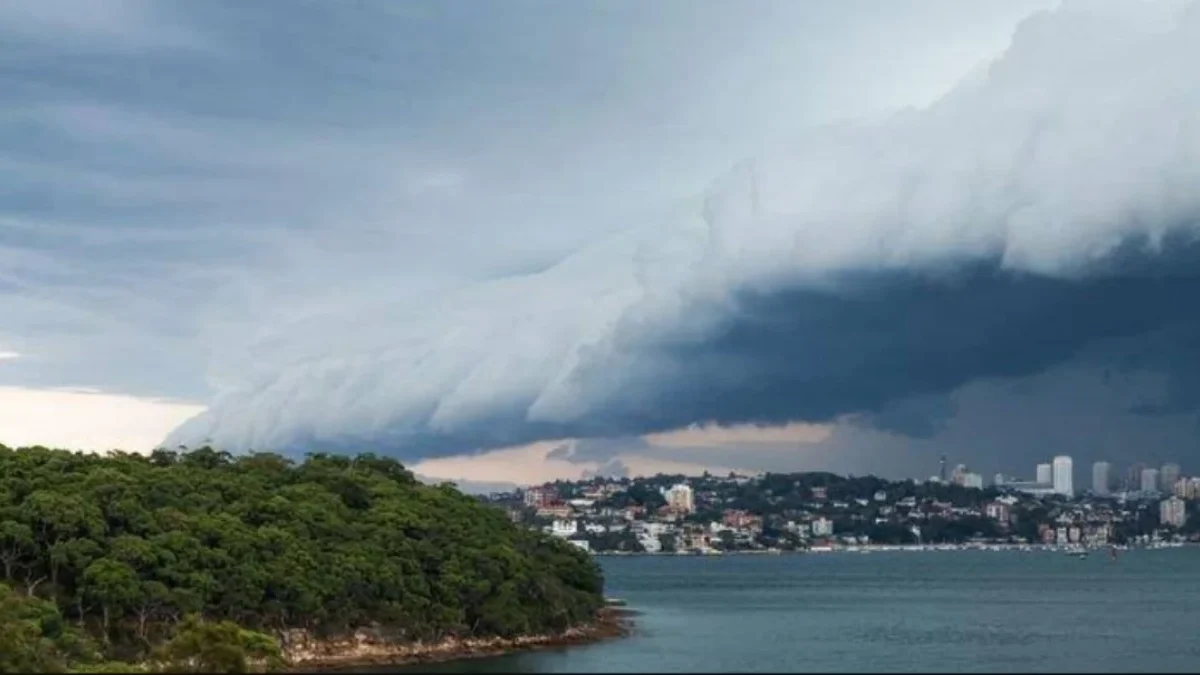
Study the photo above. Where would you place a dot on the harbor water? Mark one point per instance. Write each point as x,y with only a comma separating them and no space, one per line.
949,611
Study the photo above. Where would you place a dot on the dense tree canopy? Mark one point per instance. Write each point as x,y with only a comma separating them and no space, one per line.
127,547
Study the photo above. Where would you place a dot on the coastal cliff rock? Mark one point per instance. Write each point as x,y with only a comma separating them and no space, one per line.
366,647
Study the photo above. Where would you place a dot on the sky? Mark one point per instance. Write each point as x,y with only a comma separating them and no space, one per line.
511,242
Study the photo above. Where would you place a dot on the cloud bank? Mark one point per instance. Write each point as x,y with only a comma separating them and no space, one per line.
1045,206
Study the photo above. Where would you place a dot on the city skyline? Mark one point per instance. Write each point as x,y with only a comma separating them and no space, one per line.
1059,476
821,512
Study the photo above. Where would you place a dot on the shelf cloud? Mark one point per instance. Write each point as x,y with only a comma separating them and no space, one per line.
1044,208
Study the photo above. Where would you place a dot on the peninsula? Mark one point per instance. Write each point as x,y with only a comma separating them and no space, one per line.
202,561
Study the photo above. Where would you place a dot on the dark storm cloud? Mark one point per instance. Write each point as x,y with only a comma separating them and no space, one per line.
864,345
186,184
889,348
603,451
1046,205
1174,355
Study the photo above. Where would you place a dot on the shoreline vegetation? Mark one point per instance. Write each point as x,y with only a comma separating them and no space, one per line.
199,561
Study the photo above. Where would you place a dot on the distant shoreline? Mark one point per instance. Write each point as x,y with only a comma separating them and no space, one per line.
357,655
885,548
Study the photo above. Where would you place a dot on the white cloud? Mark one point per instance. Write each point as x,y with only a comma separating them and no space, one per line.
86,420
1043,160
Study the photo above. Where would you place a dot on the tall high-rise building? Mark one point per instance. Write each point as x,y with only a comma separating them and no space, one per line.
1045,474
1192,491
1172,512
1167,477
942,469
680,498
1185,488
1133,479
1100,478
1063,476
1149,480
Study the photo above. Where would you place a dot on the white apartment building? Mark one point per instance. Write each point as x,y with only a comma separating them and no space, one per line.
1185,488
564,528
822,527
998,511
652,544
1149,480
1173,512
1045,474
681,498
1063,476
1101,478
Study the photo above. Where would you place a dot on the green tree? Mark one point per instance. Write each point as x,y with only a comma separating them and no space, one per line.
34,637
223,647
113,586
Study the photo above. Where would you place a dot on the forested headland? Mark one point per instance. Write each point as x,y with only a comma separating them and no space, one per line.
201,560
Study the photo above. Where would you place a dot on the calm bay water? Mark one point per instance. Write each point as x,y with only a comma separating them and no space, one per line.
944,611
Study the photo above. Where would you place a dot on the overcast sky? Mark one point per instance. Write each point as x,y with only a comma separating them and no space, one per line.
848,235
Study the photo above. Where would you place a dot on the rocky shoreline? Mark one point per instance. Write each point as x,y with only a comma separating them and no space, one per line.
362,652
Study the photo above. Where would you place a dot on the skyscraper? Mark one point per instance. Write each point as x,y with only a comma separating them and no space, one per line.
1172,512
1100,478
1133,479
1185,488
680,498
1045,474
1063,476
942,469
1149,480
1167,477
